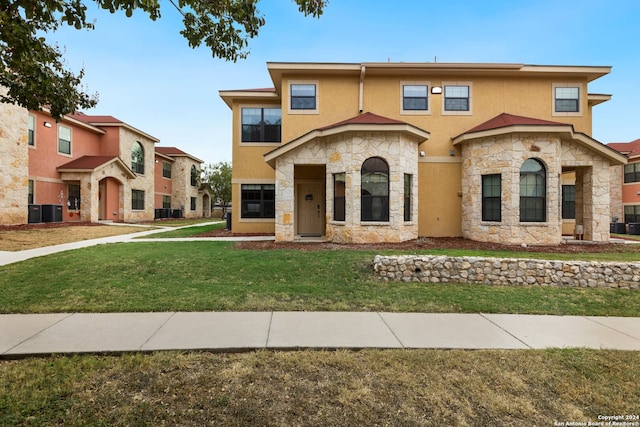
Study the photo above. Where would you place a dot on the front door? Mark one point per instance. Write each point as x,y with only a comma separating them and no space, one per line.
310,207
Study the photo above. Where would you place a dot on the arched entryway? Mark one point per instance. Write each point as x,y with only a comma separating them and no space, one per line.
109,200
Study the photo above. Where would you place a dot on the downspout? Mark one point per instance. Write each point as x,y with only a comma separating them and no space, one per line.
361,93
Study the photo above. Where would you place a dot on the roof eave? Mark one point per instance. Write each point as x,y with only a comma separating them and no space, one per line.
614,156
405,128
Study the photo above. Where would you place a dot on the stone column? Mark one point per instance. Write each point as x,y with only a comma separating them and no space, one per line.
14,162
285,198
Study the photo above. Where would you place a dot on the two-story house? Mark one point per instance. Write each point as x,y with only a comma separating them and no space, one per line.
178,186
86,168
386,152
625,190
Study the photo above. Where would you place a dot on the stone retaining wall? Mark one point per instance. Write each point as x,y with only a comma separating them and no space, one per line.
507,271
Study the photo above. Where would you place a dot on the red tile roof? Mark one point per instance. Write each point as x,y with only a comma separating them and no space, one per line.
85,118
366,119
169,151
631,149
505,120
87,162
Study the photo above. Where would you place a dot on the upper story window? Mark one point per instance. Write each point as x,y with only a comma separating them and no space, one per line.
303,97
415,98
261,124
566,99
32,130
533,191
137,158
64,140
457,98
194,176
632,172
166,170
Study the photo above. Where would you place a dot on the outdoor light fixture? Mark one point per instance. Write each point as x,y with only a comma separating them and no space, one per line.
436,90
422,154
47,124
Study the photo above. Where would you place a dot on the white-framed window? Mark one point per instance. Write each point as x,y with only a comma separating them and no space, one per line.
457,99
32,130
64,140
567,99
304,97
414,98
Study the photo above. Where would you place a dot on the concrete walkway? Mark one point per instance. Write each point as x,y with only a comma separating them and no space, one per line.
42,334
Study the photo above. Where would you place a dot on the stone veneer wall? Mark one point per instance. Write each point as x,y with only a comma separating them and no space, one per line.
145,182
182,189
615,192
507,271
345,153
14,163
504,154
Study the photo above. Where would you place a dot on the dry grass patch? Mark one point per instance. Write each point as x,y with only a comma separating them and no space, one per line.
319,388
37,237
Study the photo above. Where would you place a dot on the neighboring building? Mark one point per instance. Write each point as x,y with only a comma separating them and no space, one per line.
625,191
179,187
376,152
82,168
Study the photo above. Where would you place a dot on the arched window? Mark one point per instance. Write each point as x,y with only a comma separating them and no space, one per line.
375,190
137,158
533,191
194,176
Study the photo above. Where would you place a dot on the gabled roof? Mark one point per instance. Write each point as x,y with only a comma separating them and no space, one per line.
508,123
107,121
505,119
631,149
367,122
175,152
91,163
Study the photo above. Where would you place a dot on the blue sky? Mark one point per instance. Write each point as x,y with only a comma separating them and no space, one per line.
147,75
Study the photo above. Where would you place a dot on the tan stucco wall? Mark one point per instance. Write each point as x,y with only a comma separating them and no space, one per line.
14,158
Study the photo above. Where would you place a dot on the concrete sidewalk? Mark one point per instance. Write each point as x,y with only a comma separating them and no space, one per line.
43,334
7,257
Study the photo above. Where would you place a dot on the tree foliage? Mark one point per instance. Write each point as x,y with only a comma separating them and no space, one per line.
33,72
218,176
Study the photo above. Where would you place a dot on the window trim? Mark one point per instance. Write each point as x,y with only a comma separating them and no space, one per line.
70,153
70,205
139,192
580,88
290,110
193,176
261,216
408,197
415,112
336,198
262,108
368,219
568,206
164,170
636,209
544,174
446,112
31,191
138,167
635,173
487,198
31,131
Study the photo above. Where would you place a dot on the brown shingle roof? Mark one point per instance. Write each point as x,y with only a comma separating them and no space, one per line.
504,120
87,162
366,119
631,149
85,118
168,151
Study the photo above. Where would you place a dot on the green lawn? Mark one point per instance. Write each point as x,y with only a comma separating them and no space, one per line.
197,276
187,231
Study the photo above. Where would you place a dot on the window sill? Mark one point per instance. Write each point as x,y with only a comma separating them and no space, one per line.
375,223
